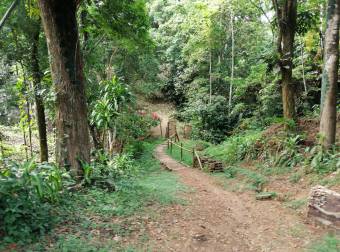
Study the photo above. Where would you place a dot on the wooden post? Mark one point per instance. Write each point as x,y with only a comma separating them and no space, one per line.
181,151
168,143
170,147
160,126
168,130
193,157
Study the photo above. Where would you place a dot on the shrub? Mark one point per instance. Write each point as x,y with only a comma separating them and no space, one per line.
322,161
106,171
135,149
290,155
236,148
27,194
210,121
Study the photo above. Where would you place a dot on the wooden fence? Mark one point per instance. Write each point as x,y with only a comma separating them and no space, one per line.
172,142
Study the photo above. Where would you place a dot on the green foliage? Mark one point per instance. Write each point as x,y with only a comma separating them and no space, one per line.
113,95
236,148
27,194
289,155
254,179
209,120
296,204
329,243
125,21
321,160
295,177
135,149
133,127
106,172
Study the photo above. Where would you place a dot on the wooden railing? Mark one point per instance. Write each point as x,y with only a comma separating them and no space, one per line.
193,152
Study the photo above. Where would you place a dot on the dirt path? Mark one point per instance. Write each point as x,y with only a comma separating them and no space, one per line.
218,220
162,109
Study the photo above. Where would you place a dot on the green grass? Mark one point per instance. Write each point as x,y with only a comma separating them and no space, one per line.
270,170
254,180
296,204
329,243
176,152
90,220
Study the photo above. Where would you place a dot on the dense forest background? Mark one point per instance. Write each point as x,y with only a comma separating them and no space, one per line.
209,58
254,79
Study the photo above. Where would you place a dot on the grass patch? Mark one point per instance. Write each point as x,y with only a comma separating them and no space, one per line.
296,204
270,170
329,243
295,178
253,180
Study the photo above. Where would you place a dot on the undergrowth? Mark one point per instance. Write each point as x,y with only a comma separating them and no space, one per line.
329,243
89,219
283,153
236,148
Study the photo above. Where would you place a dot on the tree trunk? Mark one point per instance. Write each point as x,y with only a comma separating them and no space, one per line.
60,25
39,102
96,143
286,13
330,75
303,66
29,123
232,61
210,76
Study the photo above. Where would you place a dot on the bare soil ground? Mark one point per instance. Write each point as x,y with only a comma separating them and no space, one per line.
218,220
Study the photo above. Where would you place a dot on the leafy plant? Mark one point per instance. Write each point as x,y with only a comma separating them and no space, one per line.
28,192
288,154
322,161
106,171
236,148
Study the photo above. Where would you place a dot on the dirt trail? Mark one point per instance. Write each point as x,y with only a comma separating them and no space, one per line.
163,110
218,220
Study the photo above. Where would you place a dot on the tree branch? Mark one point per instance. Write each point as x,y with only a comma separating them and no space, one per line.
8,13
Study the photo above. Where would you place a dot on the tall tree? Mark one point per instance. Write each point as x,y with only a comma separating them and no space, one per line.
330,74
286,13
39,102
61,29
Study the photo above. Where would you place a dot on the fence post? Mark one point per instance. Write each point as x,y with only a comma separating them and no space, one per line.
168,130
170,147
160,126
181,151
193,157
168,143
